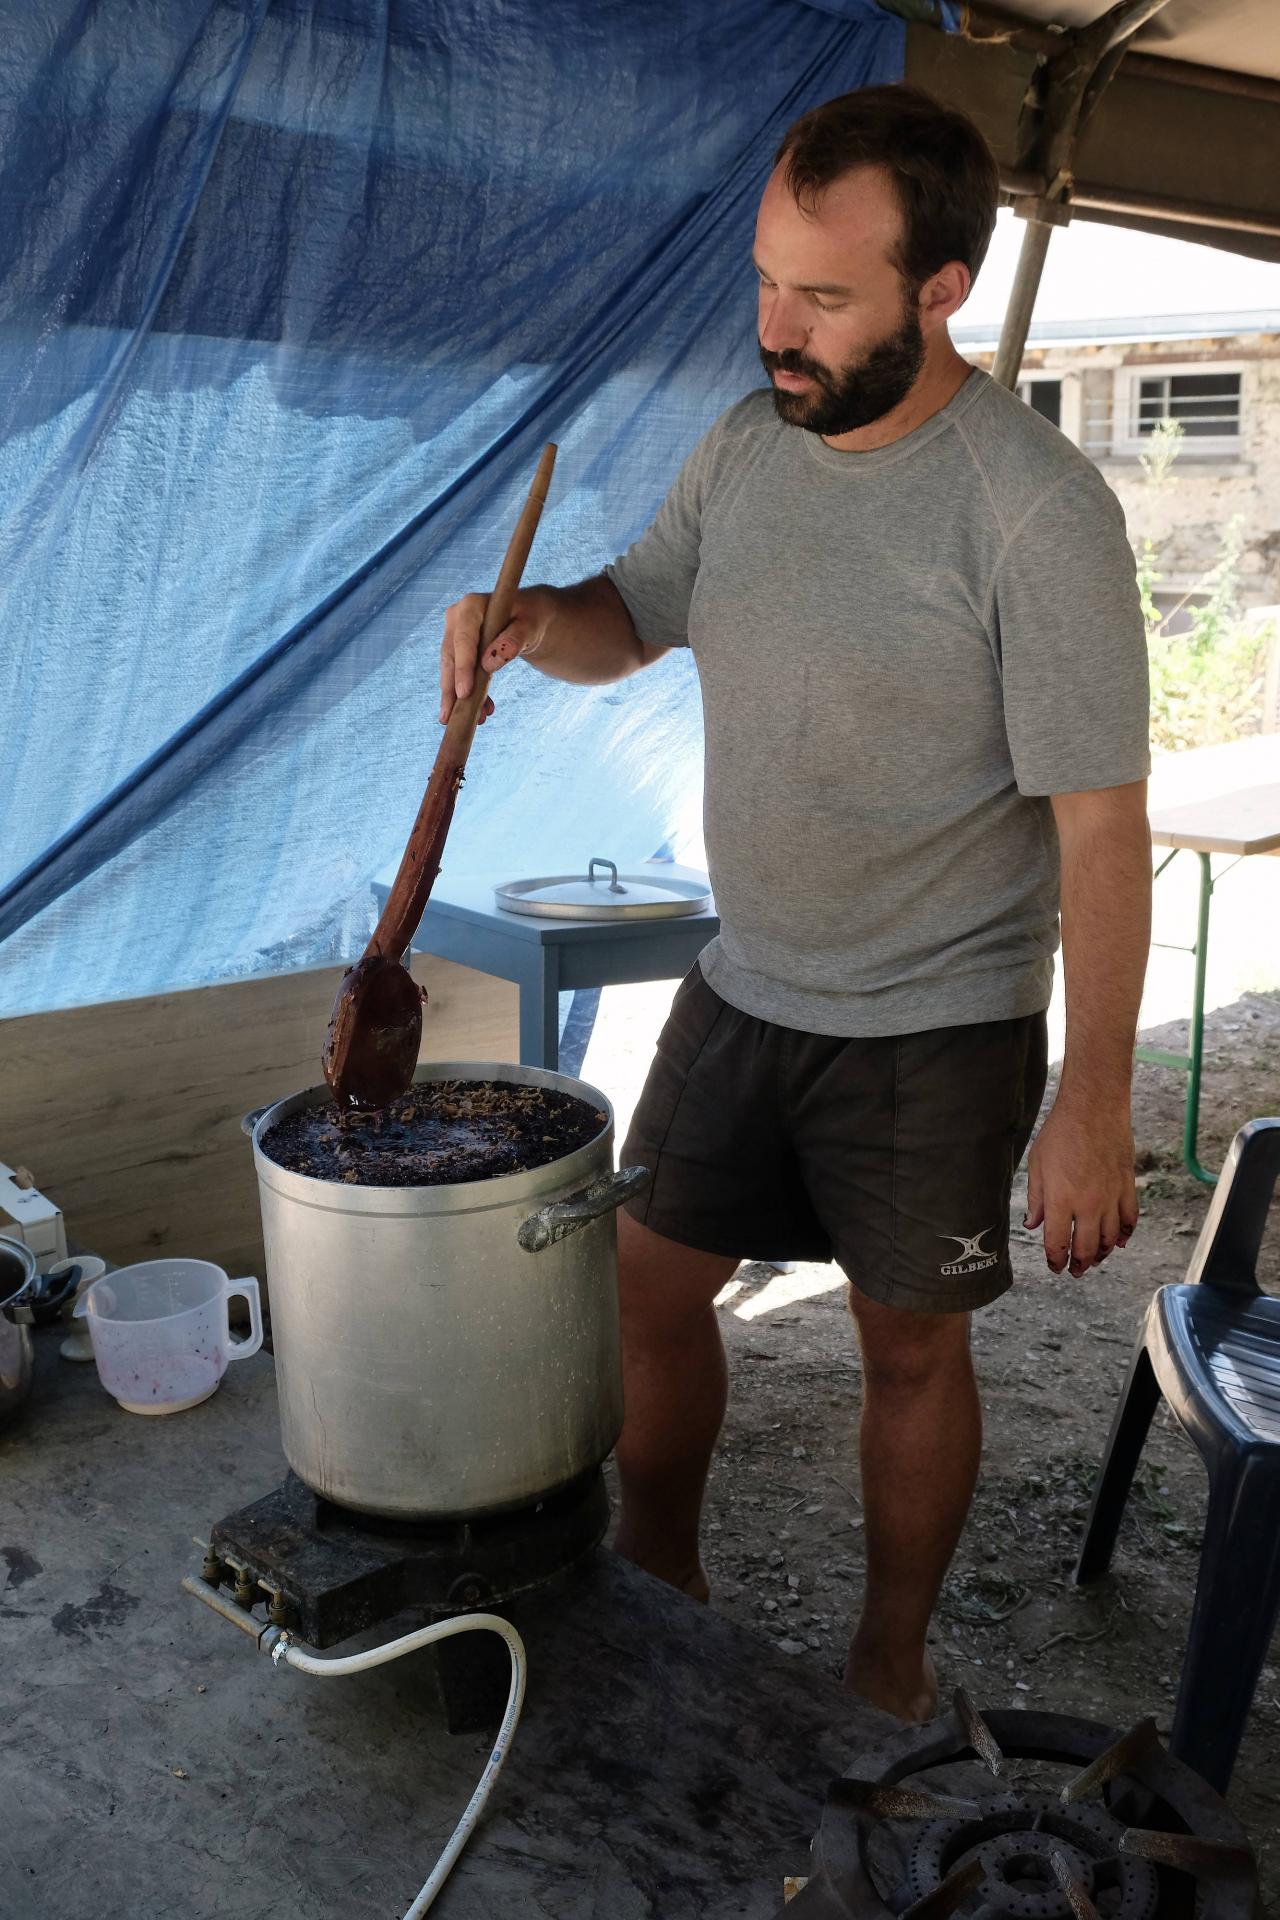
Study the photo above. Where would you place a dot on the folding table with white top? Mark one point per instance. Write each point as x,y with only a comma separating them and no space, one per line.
1240,820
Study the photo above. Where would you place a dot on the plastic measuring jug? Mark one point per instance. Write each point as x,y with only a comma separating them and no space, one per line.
161,1331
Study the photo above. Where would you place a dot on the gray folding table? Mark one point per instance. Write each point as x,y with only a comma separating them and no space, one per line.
546,957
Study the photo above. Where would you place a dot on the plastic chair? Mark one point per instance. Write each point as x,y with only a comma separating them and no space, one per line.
1212,1348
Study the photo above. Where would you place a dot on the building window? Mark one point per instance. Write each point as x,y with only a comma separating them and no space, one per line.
1043,397
1204,402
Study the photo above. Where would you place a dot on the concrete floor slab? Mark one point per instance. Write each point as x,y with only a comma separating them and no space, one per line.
153,1764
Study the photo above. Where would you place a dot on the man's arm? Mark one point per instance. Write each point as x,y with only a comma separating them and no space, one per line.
1081,1177
583,634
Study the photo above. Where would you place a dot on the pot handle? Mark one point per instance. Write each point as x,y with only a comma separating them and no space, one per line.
251,1120
41,1299
51,1296
248,1290
563,1217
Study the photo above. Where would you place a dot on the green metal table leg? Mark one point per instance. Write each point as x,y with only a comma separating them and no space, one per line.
1191,1124
1191,1063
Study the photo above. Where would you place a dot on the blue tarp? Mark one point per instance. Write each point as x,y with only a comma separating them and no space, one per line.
291,294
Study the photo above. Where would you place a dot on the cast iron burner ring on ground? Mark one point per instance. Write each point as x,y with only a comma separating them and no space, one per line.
1013,1839
1085,1824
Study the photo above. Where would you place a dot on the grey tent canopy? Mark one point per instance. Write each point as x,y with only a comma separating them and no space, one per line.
1162,115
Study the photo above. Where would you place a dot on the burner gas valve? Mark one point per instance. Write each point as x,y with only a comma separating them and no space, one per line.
280,1612
245,1592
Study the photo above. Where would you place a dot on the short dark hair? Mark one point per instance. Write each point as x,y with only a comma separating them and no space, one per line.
943,171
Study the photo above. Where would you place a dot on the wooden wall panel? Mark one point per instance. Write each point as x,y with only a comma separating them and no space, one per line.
128,1114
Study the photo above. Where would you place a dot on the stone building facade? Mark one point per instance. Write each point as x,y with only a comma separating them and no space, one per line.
1107,383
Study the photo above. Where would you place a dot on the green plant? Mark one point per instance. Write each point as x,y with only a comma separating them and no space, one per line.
1207,680
1158,457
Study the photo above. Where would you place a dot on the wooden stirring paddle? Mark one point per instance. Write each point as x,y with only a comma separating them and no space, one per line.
376,1027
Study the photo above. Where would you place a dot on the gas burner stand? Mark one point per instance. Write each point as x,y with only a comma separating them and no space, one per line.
1132,1834
326,1574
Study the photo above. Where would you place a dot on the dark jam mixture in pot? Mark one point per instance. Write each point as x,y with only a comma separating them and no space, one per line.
438,1134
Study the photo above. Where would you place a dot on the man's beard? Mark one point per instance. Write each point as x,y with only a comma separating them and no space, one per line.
856,395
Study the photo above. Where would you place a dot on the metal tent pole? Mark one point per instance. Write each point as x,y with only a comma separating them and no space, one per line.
1022,300
1072,82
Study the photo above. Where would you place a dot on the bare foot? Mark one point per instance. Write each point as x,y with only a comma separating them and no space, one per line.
690,1580
914,1700
697,1586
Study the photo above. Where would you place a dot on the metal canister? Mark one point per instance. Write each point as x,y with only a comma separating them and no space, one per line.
27,1298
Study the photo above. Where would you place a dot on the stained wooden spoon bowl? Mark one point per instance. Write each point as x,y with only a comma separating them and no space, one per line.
375,1030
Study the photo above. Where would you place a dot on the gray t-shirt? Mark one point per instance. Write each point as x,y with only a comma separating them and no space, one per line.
902,653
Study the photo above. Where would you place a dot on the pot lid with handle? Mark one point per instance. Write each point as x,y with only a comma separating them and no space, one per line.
604,894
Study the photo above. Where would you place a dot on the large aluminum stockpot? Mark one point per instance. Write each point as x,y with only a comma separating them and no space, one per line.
452,1350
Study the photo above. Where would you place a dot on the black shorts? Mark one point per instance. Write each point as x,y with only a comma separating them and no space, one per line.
894,1156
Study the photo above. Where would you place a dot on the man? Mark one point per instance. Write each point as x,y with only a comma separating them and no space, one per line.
915,620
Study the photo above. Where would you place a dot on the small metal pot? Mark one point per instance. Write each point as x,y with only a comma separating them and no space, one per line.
27,1298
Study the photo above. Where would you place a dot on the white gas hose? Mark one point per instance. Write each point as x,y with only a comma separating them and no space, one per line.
336,1666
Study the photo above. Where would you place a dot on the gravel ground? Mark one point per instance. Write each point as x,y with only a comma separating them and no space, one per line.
783,1518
